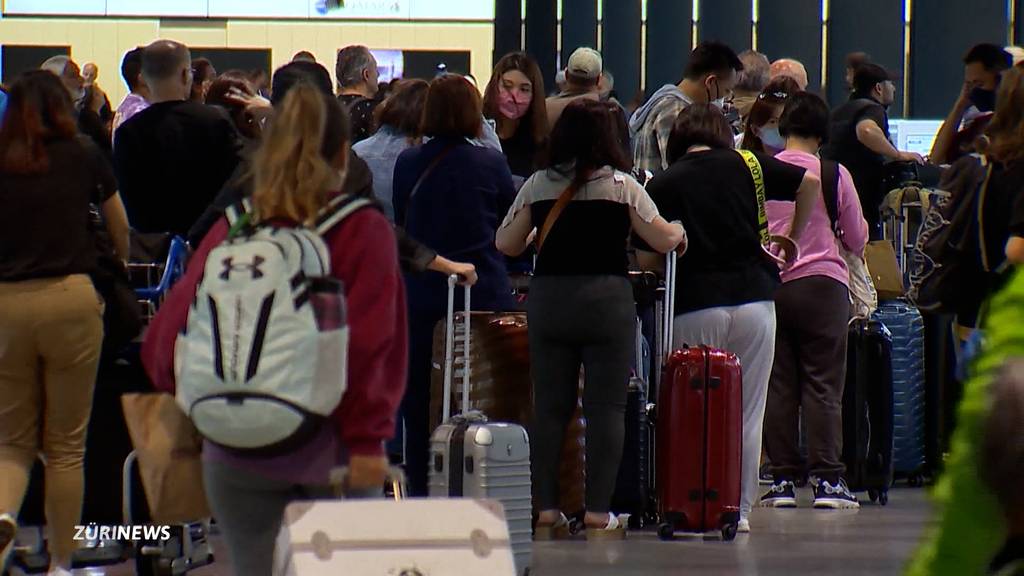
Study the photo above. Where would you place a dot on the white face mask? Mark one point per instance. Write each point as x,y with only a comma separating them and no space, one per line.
720,103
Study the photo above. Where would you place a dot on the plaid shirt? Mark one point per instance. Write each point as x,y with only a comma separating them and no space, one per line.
650,149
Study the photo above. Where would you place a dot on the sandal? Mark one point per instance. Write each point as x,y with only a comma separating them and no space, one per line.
560,530
615,529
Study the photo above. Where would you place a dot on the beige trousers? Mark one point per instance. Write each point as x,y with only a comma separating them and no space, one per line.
51,331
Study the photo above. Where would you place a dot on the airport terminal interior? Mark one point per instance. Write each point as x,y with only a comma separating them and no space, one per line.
511,287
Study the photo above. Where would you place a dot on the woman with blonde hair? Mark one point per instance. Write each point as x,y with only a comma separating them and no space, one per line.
297,172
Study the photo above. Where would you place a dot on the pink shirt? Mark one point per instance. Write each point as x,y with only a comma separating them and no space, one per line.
819,254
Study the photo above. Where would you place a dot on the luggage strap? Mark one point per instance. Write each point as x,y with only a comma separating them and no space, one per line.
759,191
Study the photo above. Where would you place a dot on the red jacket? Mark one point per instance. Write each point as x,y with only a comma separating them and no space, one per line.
364,257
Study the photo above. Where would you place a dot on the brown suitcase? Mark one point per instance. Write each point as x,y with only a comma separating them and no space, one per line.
500,387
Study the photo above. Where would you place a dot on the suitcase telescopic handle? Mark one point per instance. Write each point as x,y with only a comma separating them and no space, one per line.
669,306
396,478
449,349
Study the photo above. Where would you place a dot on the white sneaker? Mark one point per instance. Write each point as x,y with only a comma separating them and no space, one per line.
59,571
743,527
8,531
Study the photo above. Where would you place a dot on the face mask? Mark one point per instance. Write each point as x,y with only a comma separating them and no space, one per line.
984,100
771,138
510,107
717,102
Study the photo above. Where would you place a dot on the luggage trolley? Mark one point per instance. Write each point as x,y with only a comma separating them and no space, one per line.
189,547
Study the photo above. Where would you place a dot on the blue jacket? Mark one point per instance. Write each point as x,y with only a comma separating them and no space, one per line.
380,152
456,211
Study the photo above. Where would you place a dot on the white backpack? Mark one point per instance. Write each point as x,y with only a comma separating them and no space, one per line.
263,360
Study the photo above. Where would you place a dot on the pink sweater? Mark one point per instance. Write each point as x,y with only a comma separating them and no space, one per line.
819,255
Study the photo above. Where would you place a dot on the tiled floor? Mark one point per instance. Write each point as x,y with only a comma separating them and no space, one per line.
873,541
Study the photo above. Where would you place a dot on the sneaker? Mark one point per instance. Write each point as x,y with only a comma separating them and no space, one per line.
59,571
8,531
834,496
782,494
743,527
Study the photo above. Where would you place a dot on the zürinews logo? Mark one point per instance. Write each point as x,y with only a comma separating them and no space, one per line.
138,532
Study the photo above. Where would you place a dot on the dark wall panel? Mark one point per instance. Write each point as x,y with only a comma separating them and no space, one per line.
872,26
579,26
508,27
941,33
729,21
620,44
669,37
542,36
17,59
792,29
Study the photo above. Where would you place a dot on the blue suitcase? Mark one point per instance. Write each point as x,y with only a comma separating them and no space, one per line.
908,380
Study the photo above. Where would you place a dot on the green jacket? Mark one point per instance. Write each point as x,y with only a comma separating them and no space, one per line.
971,527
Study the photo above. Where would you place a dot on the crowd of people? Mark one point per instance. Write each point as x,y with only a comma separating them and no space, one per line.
729,169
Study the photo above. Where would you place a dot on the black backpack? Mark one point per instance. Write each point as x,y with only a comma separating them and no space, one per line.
950,256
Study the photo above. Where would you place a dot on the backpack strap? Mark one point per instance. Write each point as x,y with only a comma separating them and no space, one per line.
556,211
338,209
759,190
830,193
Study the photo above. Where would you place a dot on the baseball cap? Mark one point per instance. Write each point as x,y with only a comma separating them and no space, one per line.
868,74
585,63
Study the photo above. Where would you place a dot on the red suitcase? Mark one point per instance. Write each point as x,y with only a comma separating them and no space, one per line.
698,438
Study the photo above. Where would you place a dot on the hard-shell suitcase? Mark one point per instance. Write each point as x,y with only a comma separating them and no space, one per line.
374,536
867,410
501,388
699,436
908,384
471,457
633,491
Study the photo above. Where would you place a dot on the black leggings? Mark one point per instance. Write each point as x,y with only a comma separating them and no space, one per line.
574,320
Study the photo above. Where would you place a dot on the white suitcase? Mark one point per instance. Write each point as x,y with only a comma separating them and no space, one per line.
394,538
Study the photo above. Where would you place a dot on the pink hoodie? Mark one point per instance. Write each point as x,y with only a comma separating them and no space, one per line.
819,255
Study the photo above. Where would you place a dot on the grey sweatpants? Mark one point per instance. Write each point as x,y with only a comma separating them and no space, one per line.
249,508
574,321
749,332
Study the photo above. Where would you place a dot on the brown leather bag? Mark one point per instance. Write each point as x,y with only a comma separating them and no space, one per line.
501,388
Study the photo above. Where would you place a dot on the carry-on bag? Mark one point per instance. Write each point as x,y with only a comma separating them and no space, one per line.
471,457
699,435
867,410
906,326
397,537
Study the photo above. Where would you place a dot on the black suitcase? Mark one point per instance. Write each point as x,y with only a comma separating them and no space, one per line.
634,493
868,410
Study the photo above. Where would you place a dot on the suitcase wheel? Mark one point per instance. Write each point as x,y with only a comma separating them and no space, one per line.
883,497
666,531
729,532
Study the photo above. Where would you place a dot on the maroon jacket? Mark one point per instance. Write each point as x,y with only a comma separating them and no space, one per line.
365,258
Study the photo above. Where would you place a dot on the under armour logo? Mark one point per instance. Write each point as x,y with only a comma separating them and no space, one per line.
254,267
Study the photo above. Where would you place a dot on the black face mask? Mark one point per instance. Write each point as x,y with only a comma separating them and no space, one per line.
984,100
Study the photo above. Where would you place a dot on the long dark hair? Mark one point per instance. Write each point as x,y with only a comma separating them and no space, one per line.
536,118
39,110
588,134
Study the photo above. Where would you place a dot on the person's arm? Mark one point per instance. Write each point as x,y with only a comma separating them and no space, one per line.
942,149
514,235
870,134
364,257
659,234
851,215
117,225
806,199
663,126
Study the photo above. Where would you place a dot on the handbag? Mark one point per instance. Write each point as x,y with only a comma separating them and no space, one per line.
168,449
863,297
880,257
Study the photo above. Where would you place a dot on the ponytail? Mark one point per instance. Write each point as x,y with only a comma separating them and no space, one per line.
291,173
